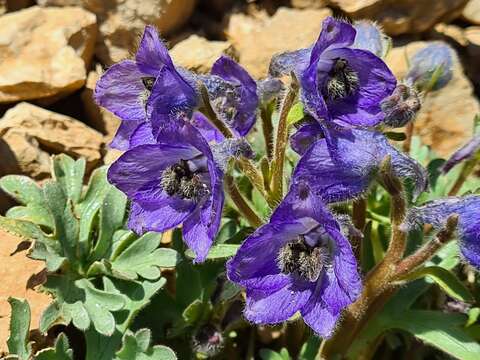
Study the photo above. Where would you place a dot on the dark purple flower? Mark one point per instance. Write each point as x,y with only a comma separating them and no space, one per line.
431,67
172,180
125,88
233,94
299,261
437,212
344,167
339,82
468,151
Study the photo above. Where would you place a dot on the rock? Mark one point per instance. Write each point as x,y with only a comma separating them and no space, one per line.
44,52
15,5
472,34
452,34
121,22
111,156
308,4
33,134
445,121
471,12
15,272
98,117
198,54
400,17
257,40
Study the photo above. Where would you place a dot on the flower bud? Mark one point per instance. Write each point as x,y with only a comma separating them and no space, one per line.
268,89
431,67
371,37
231,148
208,340
401,107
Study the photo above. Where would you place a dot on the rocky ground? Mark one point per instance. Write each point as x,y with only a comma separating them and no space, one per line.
53,51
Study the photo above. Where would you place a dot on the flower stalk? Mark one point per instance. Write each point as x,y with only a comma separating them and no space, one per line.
241,204
467,169
281,141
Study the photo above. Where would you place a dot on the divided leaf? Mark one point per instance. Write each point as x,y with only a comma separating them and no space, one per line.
19,329
61,351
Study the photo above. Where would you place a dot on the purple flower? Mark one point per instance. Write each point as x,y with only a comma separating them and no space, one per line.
299,261
437,212
233,94
344,167
125,88
468,151
339,82
431,67
171,180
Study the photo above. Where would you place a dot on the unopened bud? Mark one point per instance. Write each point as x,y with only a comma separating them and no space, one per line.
371,37
401,107
231,148
208,341
431,67
269,89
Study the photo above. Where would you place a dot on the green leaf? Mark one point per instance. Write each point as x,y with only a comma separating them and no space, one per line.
295,114
21,228
49,316
35,213
441,330
112,215
137,346
22,188
395,136
217,252
69,174
309,350
473,314
97,187
19,329
144,258
267,354
446,280
61,351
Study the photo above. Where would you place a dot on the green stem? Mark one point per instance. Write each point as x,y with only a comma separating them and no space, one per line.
281,142
241,204
467,169
211,115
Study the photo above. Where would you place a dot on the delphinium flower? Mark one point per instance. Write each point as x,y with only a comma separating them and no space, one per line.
132,88
339,82
299,262
126,88
345,169
437,212
173,179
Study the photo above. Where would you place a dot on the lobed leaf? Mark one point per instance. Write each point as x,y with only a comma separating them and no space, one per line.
217,252
22,189
61,351
19,329
69,174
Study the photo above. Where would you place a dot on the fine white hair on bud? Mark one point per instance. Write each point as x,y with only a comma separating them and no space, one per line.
401,107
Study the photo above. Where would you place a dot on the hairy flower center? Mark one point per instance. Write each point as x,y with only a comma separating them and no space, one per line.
148,82
302,260
343,80
179,180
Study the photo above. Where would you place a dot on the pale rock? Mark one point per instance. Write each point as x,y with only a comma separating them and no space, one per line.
405,16
44,52
111,156
98,117
308,4
471,12
15,272
257,40
198,54
121,22
450,33
445,121
33,134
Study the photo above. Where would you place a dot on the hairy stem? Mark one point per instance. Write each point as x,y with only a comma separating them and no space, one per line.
359,212
267,127
378,285
281,141
467,169
423,254
211,115
241,204
409,134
